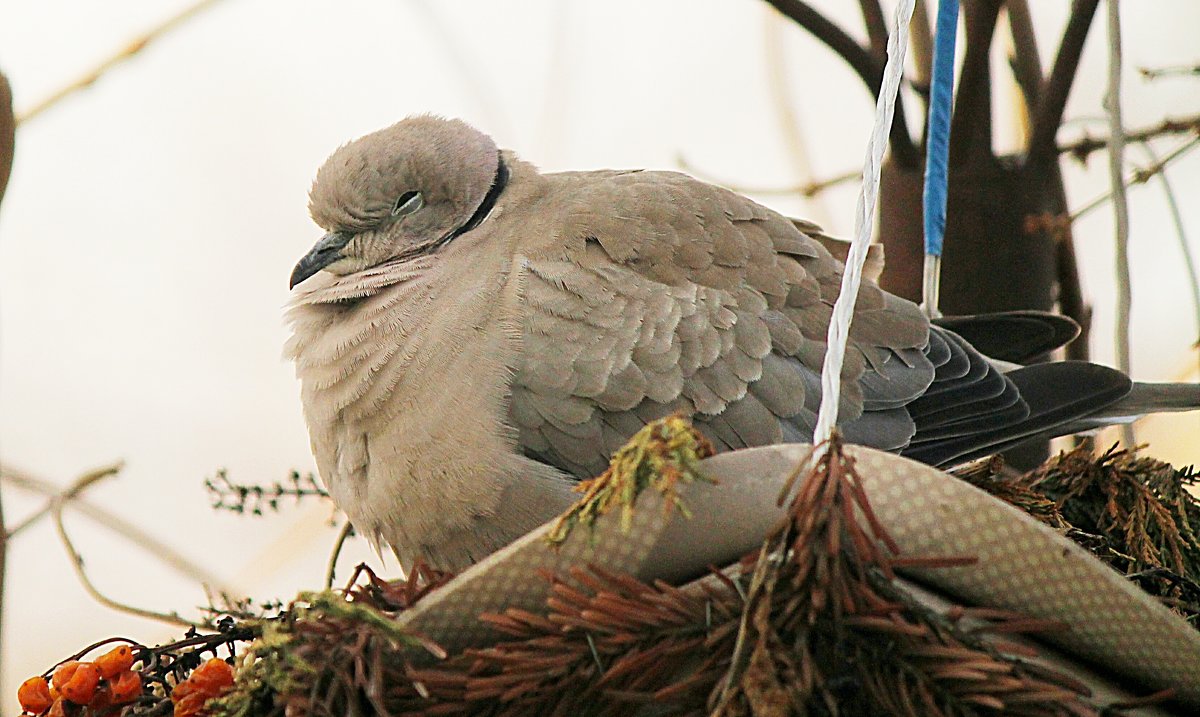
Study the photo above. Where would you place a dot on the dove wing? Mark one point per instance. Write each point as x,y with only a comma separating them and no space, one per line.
656,293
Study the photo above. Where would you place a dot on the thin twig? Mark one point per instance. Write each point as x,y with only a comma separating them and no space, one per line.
808,189
87,480
77,564
1139,176
130,532
133,48
1153,73
1189,261
1116,166
331,568
1083,147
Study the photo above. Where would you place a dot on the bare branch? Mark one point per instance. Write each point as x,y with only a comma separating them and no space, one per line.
137,45
130,532
877,31
1049,111
1189,261
1139,176
1154,73
68,494
331,569
807,189
864,64
77,565
1026,59
1083,147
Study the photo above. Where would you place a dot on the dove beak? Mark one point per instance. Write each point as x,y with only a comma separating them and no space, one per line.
324,253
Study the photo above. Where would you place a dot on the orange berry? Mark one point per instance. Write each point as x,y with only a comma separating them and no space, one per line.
126,687
209,680
63,673
183,689
213,675
81,687
60,708
115,660
34,695
191,705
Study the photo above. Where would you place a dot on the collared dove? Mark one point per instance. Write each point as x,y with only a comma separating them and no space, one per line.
472,336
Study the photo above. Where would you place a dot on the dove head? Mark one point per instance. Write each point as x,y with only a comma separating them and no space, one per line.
400,192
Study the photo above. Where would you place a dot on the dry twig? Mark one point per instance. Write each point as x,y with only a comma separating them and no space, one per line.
137,45
807,189
68,494
130,532
1139,176
1154,73
331,568
1083,147
77,559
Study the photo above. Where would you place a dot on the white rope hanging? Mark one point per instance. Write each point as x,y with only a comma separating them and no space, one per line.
843,310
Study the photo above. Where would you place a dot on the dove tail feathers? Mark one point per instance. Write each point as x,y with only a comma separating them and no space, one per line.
1142,399
1159,398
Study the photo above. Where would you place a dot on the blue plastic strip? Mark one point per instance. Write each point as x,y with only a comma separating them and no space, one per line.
941,100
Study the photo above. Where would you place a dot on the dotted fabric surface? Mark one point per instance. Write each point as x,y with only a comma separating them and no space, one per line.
1022,564
1028,567
510,578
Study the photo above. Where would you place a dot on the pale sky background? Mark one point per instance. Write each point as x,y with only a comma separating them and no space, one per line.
153,219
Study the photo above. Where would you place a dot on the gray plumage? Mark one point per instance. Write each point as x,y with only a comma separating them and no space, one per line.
472,335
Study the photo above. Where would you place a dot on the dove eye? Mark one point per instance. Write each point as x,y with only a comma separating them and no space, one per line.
407,203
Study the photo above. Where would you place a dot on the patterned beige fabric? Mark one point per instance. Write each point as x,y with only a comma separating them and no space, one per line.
1023,565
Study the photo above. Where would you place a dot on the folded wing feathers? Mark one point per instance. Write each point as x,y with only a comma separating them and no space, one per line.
670,294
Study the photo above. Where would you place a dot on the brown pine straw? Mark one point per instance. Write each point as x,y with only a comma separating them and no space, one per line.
1135,513
812,623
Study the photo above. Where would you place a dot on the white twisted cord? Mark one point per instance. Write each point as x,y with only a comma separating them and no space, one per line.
843,310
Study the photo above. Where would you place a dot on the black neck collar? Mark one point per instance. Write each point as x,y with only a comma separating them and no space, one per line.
489,201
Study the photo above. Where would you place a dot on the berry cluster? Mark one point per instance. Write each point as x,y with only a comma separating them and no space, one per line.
102,687
209,680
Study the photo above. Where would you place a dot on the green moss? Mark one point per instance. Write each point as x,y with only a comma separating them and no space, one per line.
661,456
